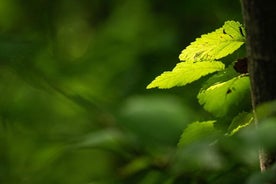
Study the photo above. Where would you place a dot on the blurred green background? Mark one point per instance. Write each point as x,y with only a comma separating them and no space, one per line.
73,104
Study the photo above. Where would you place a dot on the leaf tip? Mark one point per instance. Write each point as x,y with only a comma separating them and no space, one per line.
149,86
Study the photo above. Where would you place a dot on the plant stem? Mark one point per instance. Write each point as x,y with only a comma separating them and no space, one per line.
259,18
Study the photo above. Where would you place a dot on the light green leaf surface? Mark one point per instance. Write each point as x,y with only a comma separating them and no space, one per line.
197,131
221,76
221,97
184,73
242,120
215,45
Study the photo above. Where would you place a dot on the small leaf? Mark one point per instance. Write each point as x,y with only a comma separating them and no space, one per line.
215,45
184,73
135,165
240,121
221,97
198,131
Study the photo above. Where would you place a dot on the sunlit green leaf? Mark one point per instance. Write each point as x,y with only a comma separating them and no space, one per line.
197,131
221,97
184,73
240,121
215,45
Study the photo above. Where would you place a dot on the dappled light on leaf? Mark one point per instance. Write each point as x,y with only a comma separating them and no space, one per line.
215,45
185,73
73,103
242,120
221,97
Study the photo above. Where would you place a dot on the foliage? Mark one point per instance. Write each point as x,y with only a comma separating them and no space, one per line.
73,104
224,96
221,95
197,131
215,45
222,92
185,73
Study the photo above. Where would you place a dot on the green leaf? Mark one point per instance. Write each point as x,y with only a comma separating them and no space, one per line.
221,97
221,76
215,45
240,121
135,165
107,139
198,131
266,110
184,73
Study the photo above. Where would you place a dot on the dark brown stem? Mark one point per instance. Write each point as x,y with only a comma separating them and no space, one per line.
260,18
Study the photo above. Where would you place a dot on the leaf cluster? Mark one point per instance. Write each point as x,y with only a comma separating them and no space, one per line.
225,95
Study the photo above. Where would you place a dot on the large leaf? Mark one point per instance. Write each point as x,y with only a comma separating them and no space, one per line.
184,73
215,45
198,131
221,97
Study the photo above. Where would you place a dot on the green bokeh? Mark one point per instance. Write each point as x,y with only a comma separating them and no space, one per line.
73,101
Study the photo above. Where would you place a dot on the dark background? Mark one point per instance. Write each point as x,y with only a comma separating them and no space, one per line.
73,101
